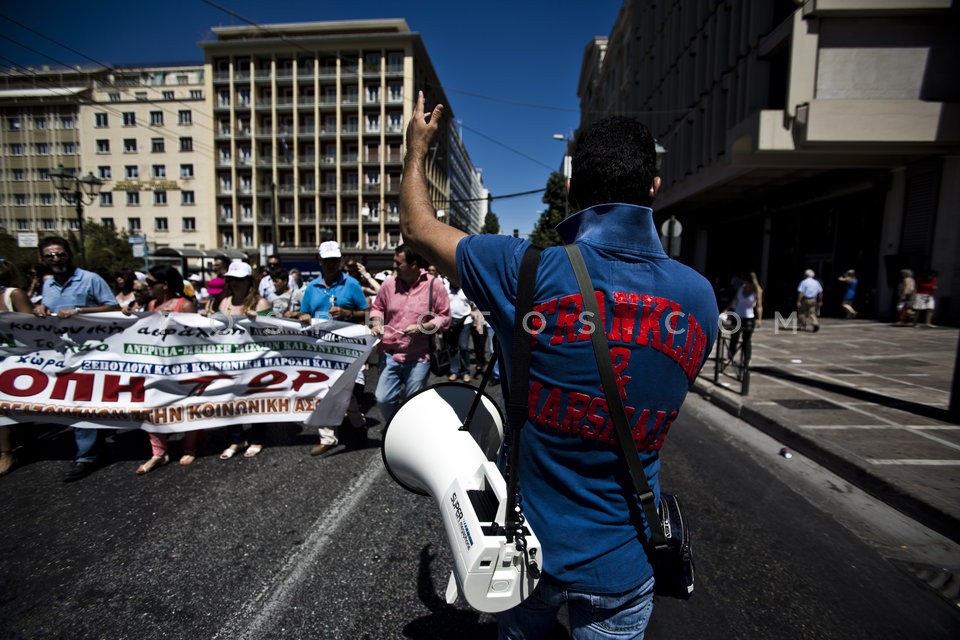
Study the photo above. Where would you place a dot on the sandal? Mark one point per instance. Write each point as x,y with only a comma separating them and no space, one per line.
152,463
188,459
253,450
231,451
6,462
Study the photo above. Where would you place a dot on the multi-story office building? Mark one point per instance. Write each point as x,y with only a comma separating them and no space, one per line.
145,132
819,134
303,120
466,206
309,122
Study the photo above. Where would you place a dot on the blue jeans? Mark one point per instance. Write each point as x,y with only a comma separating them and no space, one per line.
592,616
88,444
393,375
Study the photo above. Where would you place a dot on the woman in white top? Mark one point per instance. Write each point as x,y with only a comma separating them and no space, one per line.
747,305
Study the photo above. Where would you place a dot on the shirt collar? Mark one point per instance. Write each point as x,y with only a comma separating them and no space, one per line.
617,225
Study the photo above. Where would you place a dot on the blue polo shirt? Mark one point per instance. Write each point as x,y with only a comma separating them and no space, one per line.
346,291
660,318
83,289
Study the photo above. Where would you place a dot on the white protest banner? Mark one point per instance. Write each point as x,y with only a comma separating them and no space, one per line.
176,372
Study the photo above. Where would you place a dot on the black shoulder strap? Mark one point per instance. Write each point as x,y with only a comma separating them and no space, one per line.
614,402
520,365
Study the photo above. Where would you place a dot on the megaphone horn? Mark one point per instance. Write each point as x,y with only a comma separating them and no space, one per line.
427,450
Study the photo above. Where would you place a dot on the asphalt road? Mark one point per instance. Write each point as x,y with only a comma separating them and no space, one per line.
289,546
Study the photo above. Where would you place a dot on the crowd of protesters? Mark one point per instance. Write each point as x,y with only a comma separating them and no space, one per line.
343,291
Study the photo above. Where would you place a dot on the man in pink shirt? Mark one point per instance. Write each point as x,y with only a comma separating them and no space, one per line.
401,317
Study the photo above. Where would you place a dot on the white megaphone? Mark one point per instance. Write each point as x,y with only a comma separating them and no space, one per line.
427,450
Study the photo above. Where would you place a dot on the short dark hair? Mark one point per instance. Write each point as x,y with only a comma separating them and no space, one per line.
614,160
409,255
279,273
54,240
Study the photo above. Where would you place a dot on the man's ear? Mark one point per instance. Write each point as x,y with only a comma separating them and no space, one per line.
654,187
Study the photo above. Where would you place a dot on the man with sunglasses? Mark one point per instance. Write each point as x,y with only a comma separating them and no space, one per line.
71,291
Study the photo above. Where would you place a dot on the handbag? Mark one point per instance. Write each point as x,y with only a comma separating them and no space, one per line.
439,355
669,548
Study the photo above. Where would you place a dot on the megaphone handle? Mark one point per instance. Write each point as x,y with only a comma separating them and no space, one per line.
483,385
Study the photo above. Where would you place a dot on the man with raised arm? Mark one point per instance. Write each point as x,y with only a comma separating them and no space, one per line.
660,318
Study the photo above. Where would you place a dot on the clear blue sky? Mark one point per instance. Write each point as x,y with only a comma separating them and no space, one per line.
509,69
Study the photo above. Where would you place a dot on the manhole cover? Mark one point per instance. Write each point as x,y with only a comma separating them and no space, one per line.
808,404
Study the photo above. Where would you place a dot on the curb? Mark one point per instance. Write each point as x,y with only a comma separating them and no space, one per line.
858,475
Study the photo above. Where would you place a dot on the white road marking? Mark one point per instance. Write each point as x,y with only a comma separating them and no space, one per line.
919,463
254,617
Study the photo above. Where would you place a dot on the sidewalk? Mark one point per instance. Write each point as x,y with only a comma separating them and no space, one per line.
865,399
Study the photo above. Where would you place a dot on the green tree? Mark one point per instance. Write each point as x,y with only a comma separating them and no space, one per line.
555,197
491,223
106,250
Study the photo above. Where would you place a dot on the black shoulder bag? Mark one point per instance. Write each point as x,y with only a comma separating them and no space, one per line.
669,548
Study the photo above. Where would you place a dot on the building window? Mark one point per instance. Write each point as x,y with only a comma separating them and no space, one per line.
185,116
129,119
43,149
48,225
40,122
160,224
46,199
133,198
189,224
157,145
18,175
101,120
183,79
129,145
107,222
187,197
73,224
16,149
23,224
114,97
103,146
106,198
186,144
168,95
196,94
14,123
140,96
66,122
69,148
186,171
20,199
156,118
159,171
133,224
104,172
131,171
160,198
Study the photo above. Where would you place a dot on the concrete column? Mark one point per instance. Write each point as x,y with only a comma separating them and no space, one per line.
890,239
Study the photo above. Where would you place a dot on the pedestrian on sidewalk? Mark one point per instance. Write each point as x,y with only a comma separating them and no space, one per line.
747,306
923,300
809,301
906,296
850,279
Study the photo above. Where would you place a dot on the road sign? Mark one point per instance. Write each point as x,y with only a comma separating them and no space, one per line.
27,239
136,239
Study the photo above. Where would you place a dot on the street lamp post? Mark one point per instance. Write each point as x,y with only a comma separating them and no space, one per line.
78,192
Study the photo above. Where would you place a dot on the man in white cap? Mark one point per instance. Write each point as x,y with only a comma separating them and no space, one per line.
336,296
809,301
